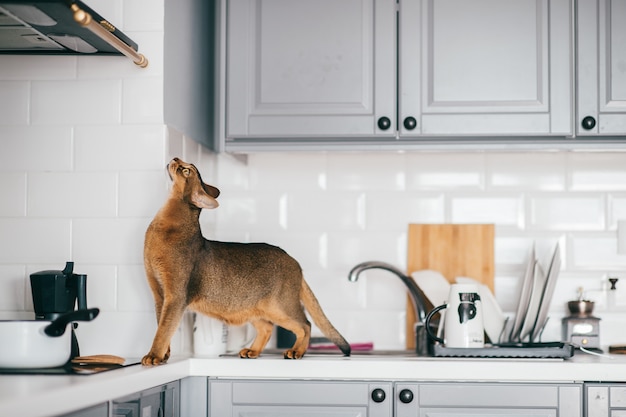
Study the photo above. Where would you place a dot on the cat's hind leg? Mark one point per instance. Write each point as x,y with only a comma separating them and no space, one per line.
301,328
263,333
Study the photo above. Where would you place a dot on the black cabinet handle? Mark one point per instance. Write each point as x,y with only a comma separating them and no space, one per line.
406,396
588,123
378,395
384,123
410,123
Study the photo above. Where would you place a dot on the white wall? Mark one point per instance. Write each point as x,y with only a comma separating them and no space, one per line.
84,149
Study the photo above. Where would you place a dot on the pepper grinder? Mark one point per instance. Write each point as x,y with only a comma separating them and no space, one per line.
581,328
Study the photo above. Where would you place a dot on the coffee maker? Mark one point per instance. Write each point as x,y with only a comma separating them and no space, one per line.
56,292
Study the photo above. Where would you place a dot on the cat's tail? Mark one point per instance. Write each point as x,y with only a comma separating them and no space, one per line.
321,321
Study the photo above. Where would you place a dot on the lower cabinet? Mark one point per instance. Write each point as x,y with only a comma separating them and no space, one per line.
161,401
488,399
264,398
268,398
605,400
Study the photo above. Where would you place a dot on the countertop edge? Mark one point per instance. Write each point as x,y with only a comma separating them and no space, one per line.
49,395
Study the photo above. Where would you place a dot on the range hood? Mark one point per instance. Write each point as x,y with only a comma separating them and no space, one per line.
60,27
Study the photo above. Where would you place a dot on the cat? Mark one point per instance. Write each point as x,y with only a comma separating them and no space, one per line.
233,282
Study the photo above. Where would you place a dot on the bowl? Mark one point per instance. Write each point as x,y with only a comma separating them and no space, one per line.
580,307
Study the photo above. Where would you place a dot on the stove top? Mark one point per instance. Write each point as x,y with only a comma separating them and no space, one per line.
71,369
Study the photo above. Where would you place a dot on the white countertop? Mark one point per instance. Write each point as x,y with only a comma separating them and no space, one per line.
46,395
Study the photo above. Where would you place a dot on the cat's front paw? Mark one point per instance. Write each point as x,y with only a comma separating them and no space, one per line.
293,354
151,359
249,354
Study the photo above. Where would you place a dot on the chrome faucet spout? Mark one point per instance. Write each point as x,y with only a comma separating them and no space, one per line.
415,292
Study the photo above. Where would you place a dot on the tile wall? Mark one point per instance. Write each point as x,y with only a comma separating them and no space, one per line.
84,147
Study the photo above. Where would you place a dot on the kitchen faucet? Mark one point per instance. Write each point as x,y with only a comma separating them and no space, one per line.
416,294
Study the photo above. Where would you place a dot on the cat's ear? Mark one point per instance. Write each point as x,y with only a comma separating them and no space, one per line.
210,190
201,199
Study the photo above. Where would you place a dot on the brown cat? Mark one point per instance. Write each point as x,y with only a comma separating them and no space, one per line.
233,282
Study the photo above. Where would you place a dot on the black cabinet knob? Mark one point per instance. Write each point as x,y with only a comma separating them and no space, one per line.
410,123
384,123
406,396
588,123
378,395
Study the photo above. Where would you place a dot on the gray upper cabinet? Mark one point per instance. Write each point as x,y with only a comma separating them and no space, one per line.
301,68
386,71
601,67
485,67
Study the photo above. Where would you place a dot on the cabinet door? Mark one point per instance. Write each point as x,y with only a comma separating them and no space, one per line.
299,398
485,67
301,68
601,72
483,399
605,400
161,401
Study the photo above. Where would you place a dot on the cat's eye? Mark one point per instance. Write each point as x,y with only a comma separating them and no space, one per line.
186,171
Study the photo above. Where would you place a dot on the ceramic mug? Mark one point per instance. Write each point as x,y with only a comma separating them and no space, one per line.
239,337
210,336
463,322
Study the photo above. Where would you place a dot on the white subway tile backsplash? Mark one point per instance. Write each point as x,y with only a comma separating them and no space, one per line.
124,334
285,172
37,67
445,171
119,148
76,102
14,107
142,100
304,247
617,209
36,148
393,211
245,210
567,211
596,252
34,240
134,293
13,284
334,291
102,284
598,171
109,241
141,193
72,195
503,210
321,210
372,172
347,249
384,291
13,187
545,172
233,174
143,15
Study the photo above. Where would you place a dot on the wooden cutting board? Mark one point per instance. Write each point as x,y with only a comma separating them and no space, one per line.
454,250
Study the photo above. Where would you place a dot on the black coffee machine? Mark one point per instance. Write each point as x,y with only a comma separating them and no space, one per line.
56,293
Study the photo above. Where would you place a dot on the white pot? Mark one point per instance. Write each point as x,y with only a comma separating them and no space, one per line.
26,344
